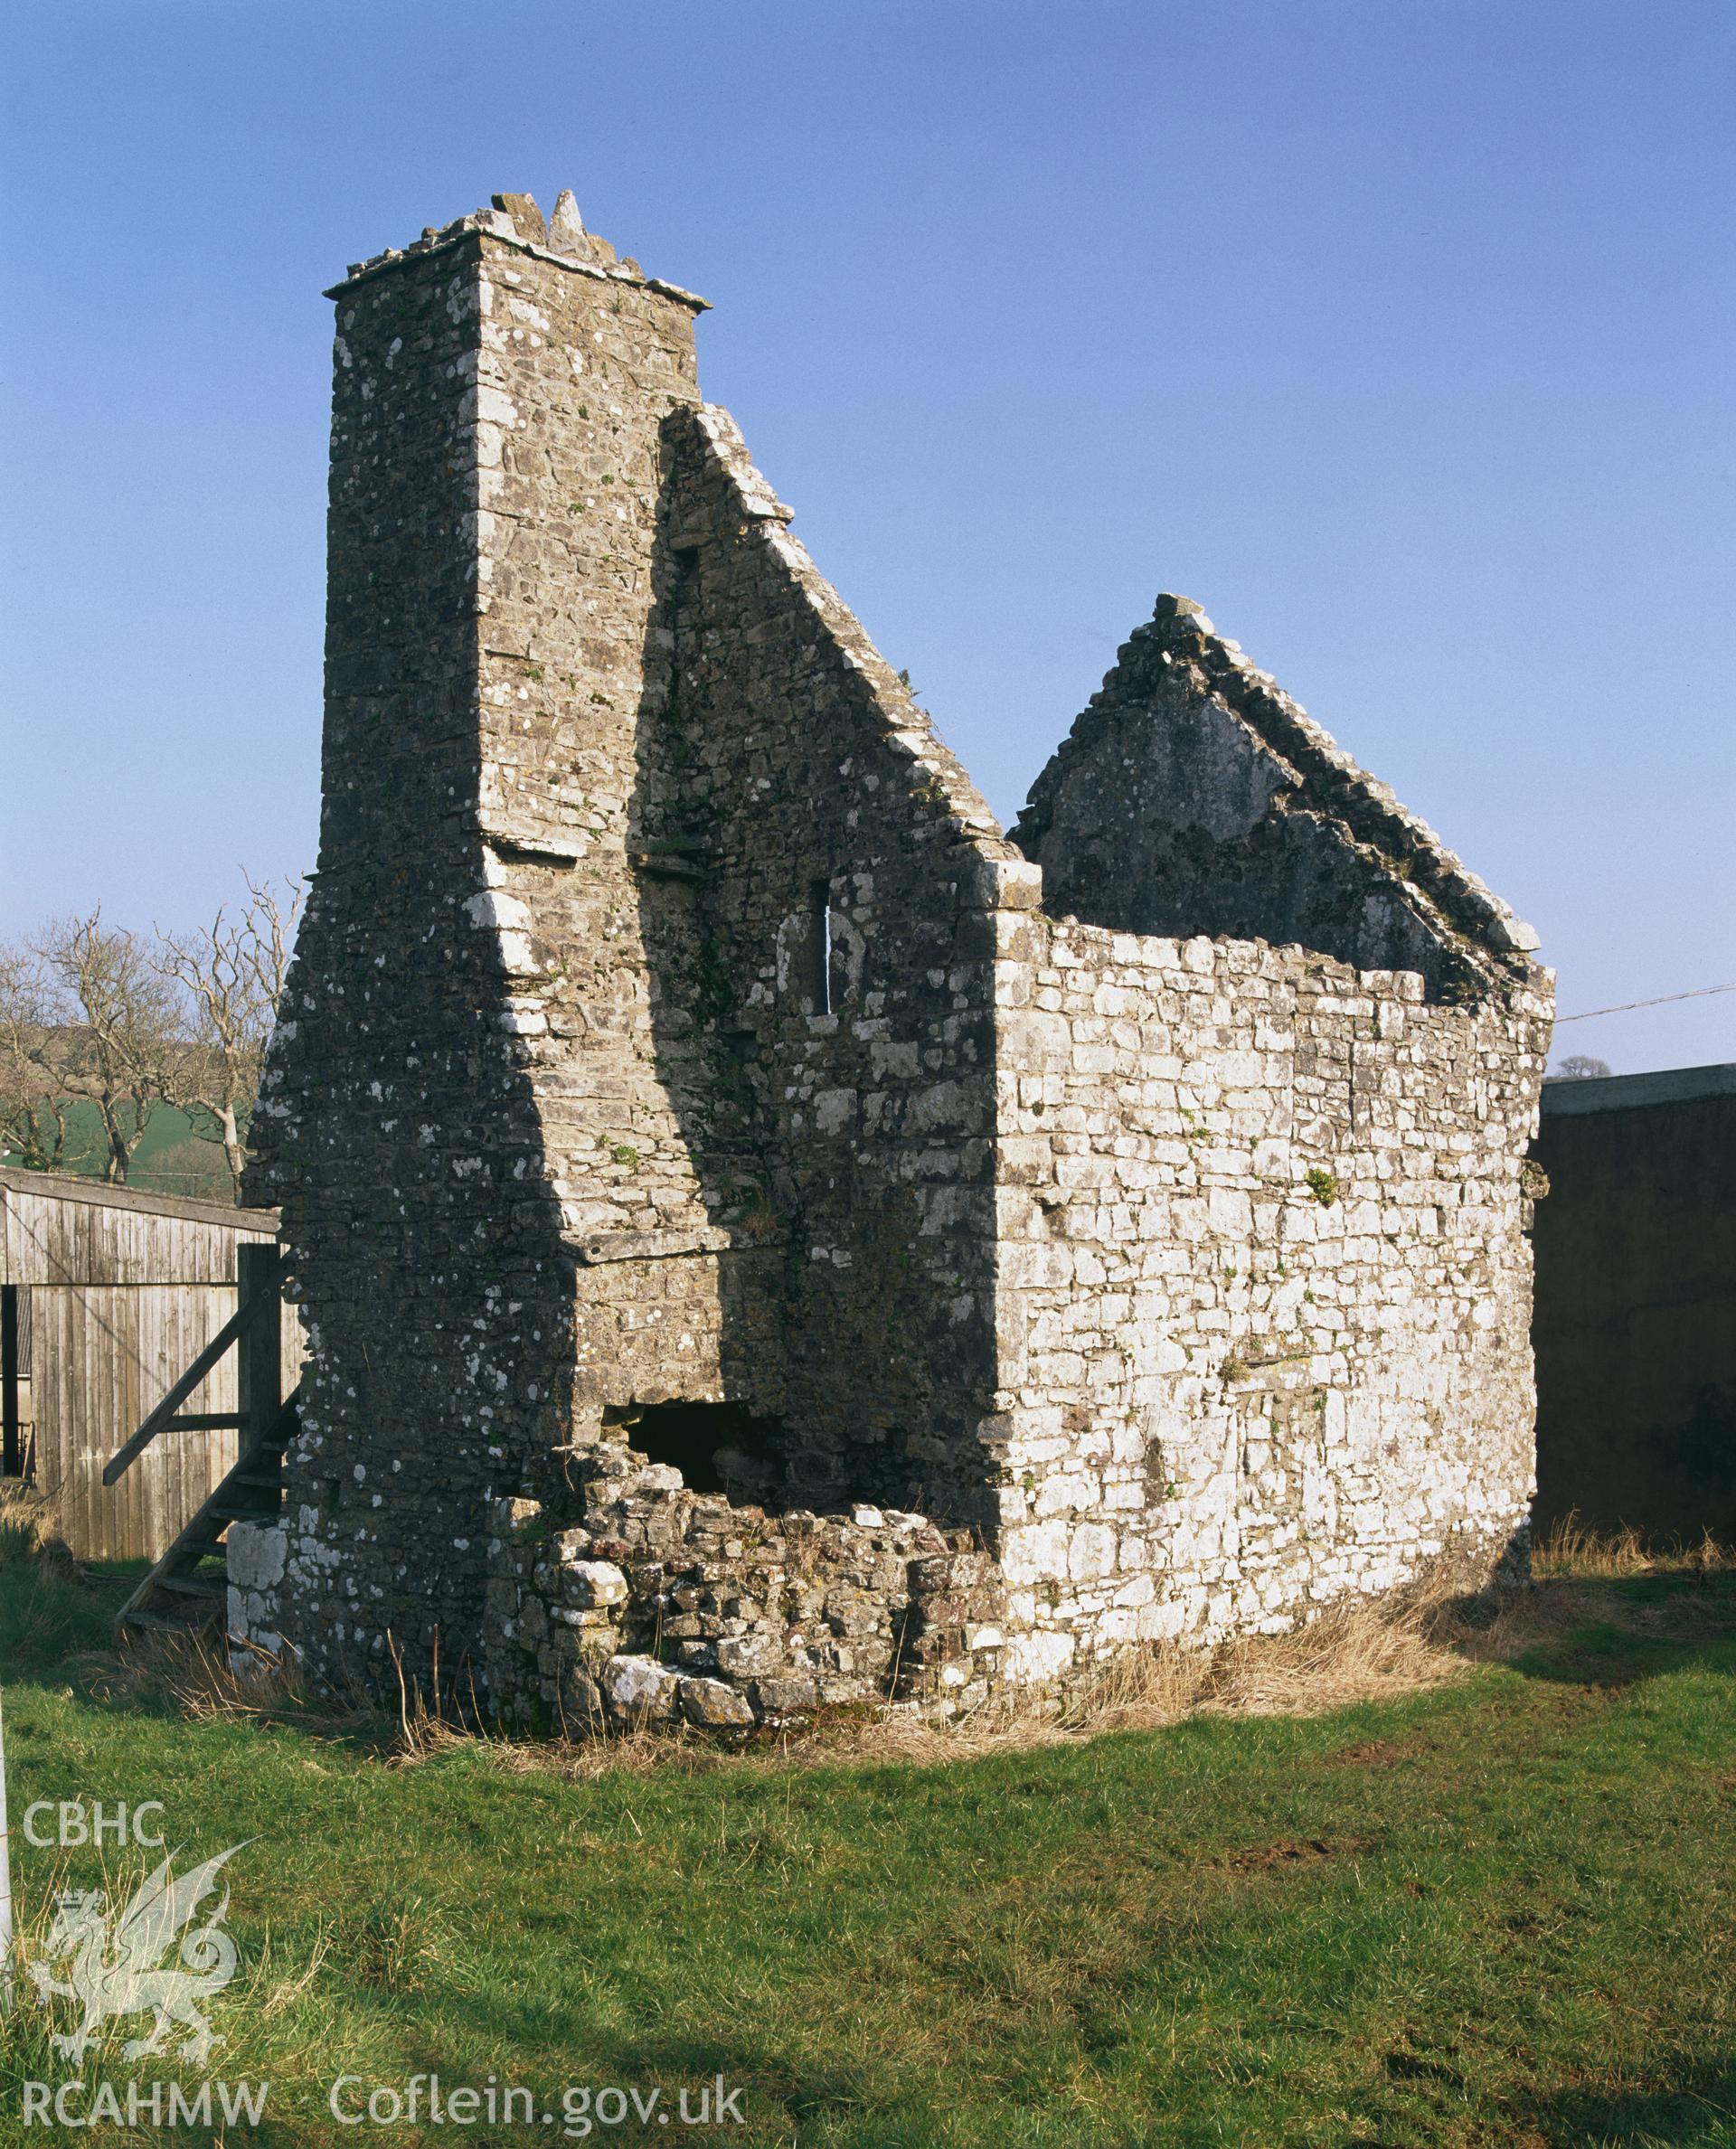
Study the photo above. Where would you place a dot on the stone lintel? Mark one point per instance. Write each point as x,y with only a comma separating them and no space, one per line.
649,1246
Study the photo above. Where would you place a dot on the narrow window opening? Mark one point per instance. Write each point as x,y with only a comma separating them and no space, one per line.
819,942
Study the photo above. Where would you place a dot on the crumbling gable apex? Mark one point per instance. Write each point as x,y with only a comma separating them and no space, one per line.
1193,796
716,497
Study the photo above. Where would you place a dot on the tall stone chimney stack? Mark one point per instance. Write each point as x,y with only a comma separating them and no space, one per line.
498,389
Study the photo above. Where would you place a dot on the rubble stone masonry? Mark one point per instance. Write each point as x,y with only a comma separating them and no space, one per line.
766,1236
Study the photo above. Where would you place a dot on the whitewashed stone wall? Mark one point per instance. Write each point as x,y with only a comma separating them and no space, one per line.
1264,1294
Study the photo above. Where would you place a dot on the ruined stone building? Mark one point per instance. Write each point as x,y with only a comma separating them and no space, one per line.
764,1233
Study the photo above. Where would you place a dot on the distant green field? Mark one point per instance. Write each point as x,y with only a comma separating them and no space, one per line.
170,1159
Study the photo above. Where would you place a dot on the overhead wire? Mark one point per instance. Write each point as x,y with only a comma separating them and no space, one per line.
1664,999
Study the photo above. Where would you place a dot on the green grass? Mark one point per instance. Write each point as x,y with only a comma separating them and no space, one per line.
1502,1911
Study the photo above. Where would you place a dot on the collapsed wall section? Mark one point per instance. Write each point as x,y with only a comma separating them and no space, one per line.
670,1604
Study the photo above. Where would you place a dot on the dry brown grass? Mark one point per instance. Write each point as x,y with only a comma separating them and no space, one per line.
31,1520
1572,1568
1571,1552
198,1675
1359,1650
211,1676
1355,1652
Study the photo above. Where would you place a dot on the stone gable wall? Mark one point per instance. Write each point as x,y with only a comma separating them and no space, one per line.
1193,796
799,817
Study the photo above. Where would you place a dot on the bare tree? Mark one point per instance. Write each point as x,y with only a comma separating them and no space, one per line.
1580,1067
84,1017
33,1100
229,978
111,1031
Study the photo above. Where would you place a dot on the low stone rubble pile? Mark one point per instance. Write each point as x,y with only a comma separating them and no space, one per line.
663,1604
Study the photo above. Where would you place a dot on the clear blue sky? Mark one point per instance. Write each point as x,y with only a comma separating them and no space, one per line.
1396,332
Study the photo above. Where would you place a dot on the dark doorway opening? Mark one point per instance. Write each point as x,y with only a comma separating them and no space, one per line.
16,1457
718,1447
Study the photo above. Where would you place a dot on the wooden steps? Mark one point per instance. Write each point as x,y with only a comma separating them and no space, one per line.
181,1595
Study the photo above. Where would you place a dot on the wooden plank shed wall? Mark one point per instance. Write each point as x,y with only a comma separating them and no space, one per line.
124,1290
